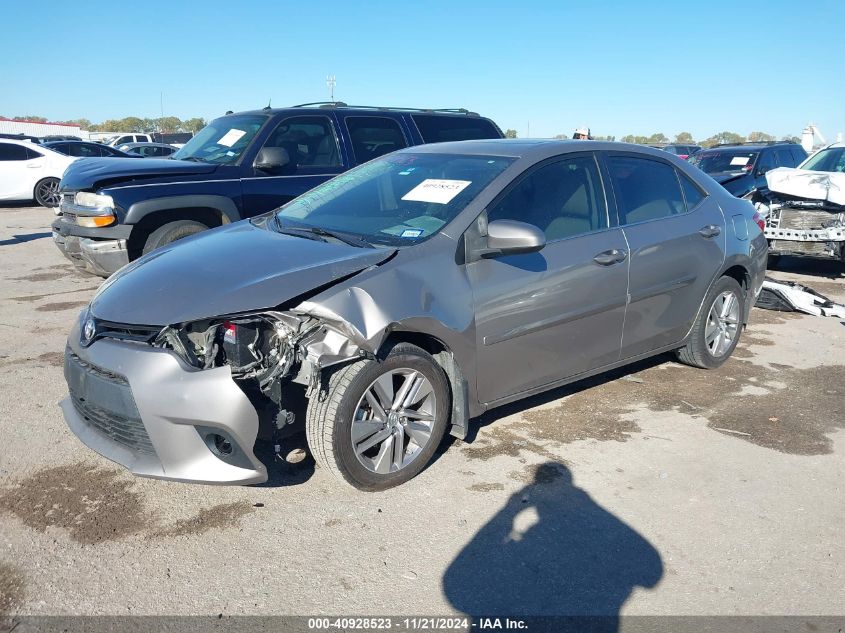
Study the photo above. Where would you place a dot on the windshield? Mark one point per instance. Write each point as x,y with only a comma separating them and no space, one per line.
831,159
724,161
397,199
223,140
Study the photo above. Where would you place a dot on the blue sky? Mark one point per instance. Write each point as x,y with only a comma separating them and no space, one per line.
620,67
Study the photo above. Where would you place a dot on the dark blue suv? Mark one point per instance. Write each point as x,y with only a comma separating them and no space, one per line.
238,166
741,167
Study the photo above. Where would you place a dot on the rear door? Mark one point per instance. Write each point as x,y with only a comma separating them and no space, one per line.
372,136
544,316
676,240
312,143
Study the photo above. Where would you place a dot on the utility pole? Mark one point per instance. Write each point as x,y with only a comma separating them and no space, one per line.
331,82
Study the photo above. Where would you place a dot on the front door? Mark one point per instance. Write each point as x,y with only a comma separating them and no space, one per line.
559,312
312,145
676,237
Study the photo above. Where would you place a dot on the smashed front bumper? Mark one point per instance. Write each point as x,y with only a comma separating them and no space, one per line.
101,255
143,408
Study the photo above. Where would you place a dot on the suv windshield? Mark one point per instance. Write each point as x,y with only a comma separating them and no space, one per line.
715,162
831,159
223,140
397,199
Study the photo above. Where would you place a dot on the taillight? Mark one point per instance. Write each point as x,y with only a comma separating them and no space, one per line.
758,219
230,333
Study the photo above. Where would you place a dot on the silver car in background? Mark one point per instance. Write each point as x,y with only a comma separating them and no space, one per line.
403,298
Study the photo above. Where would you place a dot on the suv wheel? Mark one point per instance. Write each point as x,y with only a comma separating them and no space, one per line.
380,421
171,232
716,332
47,192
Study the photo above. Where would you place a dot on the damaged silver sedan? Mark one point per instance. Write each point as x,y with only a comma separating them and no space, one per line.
392,304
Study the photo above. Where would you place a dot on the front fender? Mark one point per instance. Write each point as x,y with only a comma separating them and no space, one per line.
226,206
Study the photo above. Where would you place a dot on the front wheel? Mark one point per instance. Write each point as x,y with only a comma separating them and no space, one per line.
47,192
172,232
716,331
380,421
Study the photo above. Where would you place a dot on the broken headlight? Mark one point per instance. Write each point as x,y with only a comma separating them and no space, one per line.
258,346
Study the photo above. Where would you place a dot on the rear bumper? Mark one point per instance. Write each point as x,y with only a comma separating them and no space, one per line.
101,255
142,408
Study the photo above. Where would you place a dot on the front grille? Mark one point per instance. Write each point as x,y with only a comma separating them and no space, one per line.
804,248
123,332
127,431
104,400
806,220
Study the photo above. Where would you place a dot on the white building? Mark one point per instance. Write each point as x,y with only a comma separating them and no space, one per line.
32,128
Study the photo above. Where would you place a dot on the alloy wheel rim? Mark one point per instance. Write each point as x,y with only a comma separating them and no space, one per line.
393,421
722,324
49,192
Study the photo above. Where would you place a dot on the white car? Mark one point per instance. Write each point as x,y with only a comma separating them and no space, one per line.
29,171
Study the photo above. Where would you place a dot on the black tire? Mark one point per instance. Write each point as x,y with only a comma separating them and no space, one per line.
696,352
46,193
329,420
171,232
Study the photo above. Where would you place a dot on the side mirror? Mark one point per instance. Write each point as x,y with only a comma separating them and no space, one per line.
509,237
272,159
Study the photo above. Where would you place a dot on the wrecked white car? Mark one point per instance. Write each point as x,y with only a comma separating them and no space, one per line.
804,208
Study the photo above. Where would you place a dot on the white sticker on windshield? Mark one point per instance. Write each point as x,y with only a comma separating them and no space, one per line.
411,233
231,137
739,160
437,191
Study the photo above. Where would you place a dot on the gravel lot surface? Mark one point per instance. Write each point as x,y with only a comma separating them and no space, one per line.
659,489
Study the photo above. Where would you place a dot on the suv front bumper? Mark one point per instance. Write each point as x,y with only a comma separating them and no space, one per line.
141,407
100,251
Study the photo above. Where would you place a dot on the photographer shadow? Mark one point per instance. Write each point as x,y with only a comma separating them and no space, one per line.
552,551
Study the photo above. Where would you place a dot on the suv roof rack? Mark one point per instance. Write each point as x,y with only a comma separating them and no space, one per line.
341,104
741,143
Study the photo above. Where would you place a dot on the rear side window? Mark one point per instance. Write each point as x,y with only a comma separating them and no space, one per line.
785,158
692,192
645,189
439,129
798,154
9,152
374,136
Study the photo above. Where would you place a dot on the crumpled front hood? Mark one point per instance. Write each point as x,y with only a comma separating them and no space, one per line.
232,269
85,175
805,183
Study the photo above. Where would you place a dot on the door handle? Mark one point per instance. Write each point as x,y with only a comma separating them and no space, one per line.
711,230
608,258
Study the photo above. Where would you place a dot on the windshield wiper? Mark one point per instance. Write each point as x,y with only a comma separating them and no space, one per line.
319,233
194,158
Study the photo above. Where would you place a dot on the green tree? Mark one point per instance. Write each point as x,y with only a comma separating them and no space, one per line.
604,138
723,137
657,137
639,140
561,137
758,137
30,117
85,124
510,133
685,138
791,139
131,124
193,125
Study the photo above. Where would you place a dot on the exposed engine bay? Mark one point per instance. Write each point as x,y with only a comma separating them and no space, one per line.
804,212
274,357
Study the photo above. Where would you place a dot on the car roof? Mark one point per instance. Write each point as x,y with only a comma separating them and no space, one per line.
527,148
750,147
140,144
374,110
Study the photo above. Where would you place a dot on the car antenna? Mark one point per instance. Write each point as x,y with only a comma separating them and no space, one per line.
267,107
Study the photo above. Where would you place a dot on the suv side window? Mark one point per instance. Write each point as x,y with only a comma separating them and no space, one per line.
766,162
437,129
645,189
785,157
374,136
564,198
309,140
9,151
